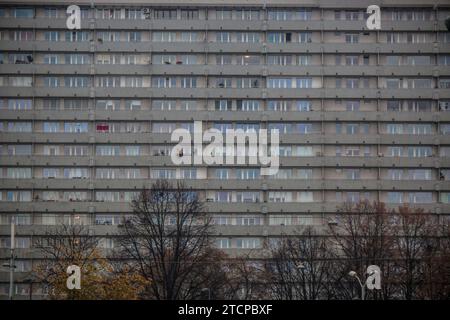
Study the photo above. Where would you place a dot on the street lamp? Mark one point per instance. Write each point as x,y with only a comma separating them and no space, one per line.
30,280
300,266
353,274
209,292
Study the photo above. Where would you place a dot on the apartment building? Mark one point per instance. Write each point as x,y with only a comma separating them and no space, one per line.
86,115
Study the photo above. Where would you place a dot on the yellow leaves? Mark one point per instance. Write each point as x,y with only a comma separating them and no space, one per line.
99,280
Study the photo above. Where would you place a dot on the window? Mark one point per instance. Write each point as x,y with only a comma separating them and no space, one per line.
352,38
304,60
163,127
443,84
280,196
279,83
191,36
134,36
51,36
248,60
304,37
246,83
51,127
223,37
351,15
165,14
444,60
163,105
18,173
188,82
352,105
418,60
247,174
247,196
279,37
19,127
222,105
163,82
395,174
223,82
23,12
19,150
352,60
223,14
109,13
280,60
393,83
305,196
223,243
189,173
248,243
132,150
77,36
20,81
420,197
51,59
22,35
248,37
18,196
76,82
108,36
132,82
419,174
247,14
223,59
304,128
133,14
50,173
222,174
189,14
279,15
278,105
247,105
352,174
304,82
419,152
20,104
75,127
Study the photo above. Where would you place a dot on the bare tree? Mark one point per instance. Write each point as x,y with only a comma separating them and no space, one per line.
417,246
437,270
245,278
168,240
67,245
362,237
299,267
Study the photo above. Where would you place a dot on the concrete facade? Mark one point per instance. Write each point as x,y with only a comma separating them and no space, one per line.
85,122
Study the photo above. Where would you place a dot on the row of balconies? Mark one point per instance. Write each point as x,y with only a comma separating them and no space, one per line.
327,161
228,70
215,184
213,207
145,138
212,25
231,231
212,115
215,47
233,93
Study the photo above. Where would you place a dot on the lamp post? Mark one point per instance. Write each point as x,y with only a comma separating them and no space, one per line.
11,260
371,272
209,292
363,286
30,280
